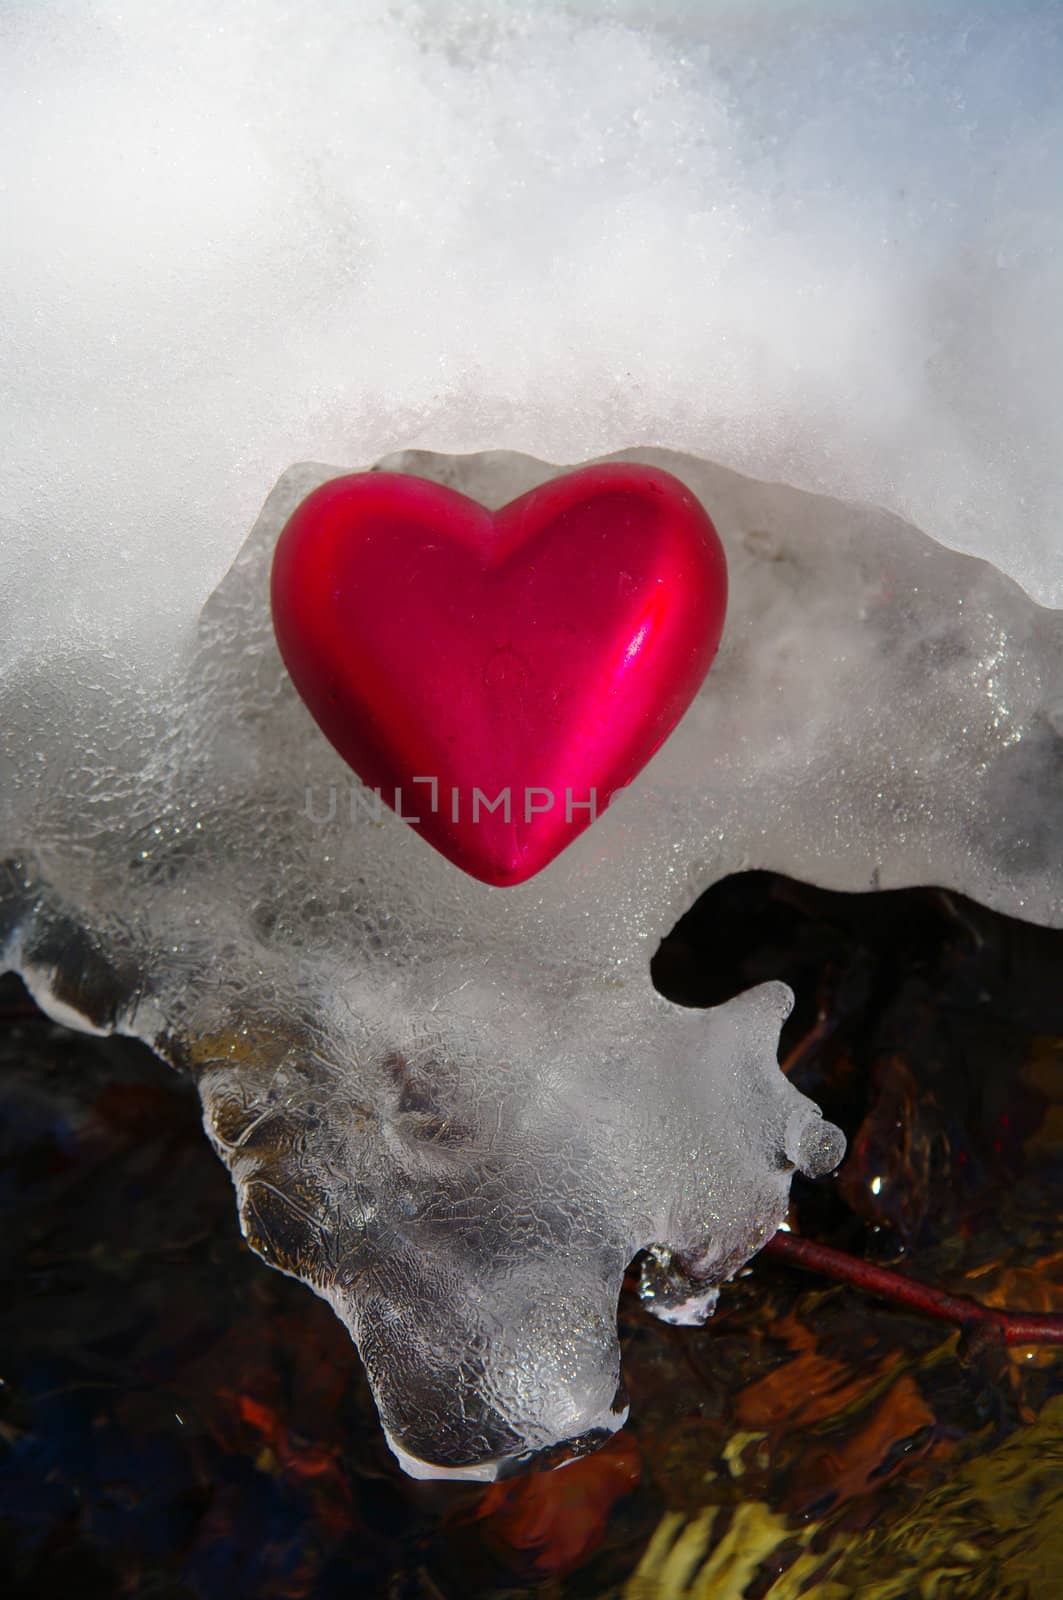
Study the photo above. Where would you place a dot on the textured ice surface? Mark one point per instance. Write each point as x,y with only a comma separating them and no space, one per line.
456,1111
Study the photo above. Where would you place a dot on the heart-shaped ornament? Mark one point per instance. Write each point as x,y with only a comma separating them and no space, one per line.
498,676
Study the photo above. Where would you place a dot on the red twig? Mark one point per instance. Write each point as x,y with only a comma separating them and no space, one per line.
1013,1327
820,1030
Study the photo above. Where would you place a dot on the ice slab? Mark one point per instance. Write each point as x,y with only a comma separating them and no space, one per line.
458,1112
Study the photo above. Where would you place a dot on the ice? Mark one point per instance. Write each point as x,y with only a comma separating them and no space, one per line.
816,243
459,1112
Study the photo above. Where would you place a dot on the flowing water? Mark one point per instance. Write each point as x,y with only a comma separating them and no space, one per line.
176,1422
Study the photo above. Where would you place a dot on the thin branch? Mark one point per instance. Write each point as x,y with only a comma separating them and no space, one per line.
1012,1327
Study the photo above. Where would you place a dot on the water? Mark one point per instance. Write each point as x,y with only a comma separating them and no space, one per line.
177,1422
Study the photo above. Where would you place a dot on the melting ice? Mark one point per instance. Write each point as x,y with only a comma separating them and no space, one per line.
816,246
459,1112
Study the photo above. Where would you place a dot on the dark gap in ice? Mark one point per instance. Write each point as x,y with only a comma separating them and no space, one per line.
838,950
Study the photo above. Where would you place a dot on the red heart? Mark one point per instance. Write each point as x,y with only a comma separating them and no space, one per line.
531,658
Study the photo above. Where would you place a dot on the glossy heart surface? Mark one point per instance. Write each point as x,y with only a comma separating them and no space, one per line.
496,676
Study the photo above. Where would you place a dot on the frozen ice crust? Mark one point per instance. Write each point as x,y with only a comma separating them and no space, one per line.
458,1112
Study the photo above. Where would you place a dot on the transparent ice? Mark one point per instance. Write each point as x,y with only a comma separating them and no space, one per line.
458,1112
816,244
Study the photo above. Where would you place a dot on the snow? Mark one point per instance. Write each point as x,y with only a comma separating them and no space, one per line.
814,242
813,245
